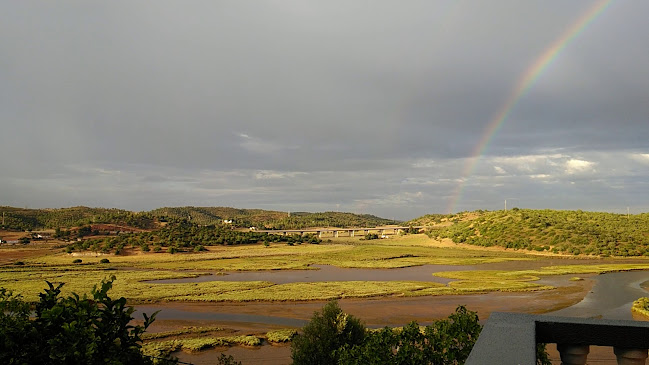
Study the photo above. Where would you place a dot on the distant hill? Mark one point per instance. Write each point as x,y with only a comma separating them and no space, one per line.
268,218
33,219
572,232
26,219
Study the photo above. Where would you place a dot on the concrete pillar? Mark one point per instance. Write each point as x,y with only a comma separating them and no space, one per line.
319,234
351,233
573,354
336,234
630,356
383,232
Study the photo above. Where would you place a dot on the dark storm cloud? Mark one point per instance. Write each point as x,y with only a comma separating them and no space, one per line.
298,105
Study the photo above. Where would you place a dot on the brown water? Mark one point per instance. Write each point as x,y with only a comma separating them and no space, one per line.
608,296
267,354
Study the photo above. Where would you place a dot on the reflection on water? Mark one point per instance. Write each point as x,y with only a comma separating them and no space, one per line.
611,296
329,273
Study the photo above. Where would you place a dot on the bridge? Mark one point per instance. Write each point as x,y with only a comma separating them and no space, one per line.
341,232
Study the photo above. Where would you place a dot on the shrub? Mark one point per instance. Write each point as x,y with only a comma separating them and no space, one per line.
227,360
70,330
324,335
446,341
77,261
104,261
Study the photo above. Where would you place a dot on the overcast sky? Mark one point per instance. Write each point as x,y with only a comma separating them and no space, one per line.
361,106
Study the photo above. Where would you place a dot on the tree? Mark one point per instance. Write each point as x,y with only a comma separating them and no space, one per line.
444,342
324,335
70,330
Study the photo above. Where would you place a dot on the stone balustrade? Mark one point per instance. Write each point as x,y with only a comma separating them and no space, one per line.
511,338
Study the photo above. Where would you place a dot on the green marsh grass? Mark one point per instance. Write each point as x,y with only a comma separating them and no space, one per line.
162,348
281,335
133,271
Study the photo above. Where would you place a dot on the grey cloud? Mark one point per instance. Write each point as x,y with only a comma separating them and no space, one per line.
306,105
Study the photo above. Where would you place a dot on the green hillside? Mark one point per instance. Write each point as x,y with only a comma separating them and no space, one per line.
33,219
268,218
573,232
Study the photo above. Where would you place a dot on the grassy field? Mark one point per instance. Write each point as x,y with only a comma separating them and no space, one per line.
343,252
132,271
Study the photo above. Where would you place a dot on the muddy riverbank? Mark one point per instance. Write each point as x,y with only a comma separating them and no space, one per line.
256,318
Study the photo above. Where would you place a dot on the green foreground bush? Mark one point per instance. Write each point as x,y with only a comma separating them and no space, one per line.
70,330
334,337
446,341
324,335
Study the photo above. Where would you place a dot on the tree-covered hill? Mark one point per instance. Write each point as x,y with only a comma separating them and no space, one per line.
267,218
33,219
216,215
573,232
329,219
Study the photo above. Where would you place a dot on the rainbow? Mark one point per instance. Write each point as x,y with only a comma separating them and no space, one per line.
523,86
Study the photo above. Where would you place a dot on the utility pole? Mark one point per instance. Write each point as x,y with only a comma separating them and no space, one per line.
506,202
628,216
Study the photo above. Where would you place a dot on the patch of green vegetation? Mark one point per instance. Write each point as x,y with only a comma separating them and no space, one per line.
136,270
23,219
28,219
335,337
521,280
128,283
269,219
641,306
75,329
164,348
131,284
567,232
404,251
186,237
282,335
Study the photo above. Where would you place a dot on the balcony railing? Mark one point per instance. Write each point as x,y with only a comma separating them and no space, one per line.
511,338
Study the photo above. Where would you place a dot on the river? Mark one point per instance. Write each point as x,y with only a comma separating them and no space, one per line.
611,297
